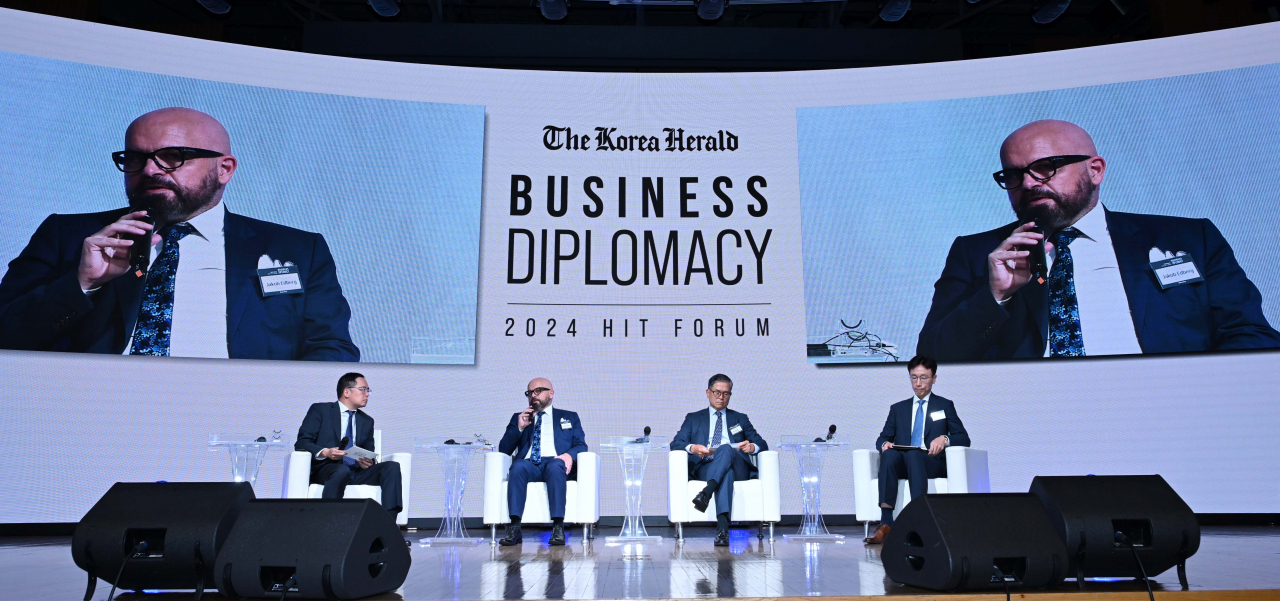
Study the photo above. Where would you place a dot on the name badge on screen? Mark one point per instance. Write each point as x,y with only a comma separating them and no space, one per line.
736,429
280,280
938,415
1176,272
566,424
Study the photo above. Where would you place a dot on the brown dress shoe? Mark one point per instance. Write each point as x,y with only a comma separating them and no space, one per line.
878,536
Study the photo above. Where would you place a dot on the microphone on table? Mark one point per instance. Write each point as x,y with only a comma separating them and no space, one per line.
261,439
830,433
645,438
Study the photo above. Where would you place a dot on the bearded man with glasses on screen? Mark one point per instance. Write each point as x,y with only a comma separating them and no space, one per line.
1110,283
544,444
199,288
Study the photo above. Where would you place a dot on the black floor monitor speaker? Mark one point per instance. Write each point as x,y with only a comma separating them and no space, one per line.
183,524
1110,523
974,541
314,549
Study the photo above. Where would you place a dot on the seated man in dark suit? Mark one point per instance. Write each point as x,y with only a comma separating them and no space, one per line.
720,443
322,433
73,289
1102,292
544,453
922,428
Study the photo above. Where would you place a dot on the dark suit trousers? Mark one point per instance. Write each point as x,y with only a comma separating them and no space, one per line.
916,466
523,471
724,466
336,476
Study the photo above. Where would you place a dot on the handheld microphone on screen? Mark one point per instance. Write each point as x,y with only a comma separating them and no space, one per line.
831,431
140,252
1038,262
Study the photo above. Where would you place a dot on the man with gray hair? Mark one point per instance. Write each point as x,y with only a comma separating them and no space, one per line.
720,443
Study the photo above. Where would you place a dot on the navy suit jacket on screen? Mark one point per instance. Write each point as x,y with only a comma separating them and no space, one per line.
42,307
1223,312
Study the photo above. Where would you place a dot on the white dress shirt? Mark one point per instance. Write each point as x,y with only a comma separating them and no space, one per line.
1106,324
548,442
200,290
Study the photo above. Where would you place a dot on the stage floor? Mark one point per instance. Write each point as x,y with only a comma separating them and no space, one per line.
1243,559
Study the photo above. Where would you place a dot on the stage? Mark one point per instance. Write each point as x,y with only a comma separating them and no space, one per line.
1237,562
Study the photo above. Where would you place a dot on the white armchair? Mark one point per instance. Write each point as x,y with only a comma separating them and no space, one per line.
757,500
582,496
297,479
966,472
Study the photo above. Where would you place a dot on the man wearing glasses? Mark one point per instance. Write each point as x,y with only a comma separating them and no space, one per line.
1110,283
912,442
721,444
198,287
331,429
544,444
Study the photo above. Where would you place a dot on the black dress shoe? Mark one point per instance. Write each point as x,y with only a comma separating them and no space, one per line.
722,538
701,501
557,536
512,537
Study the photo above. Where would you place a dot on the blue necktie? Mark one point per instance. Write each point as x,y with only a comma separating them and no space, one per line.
719,431
917,430
536,454
351,438
1065,337
152,331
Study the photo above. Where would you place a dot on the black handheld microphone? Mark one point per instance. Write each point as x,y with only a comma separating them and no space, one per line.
140,252
644,438
1038,262
342,444
831,432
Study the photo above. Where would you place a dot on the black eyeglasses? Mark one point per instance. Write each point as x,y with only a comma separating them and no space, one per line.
1042,170
170,158
529,393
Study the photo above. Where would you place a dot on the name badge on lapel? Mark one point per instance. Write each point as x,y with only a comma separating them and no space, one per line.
938,415
736,429
1176,271
280,280
565,424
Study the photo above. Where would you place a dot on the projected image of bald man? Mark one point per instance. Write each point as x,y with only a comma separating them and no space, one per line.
196,289
1113,283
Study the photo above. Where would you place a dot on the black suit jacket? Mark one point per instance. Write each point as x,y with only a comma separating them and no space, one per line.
1223,312
696,429
42,307
322,429
897,428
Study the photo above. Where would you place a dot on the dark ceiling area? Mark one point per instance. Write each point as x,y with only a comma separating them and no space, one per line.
667,35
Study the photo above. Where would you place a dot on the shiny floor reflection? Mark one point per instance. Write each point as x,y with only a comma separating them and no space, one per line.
1229,559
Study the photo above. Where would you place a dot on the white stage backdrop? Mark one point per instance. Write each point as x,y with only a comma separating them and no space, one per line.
698,270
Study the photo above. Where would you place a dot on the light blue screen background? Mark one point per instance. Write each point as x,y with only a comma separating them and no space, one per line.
393,186
887,188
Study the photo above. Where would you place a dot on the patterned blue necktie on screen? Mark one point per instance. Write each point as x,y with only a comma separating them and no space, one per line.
1065,337
351,437
535,454
917,430
155,316
719,431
